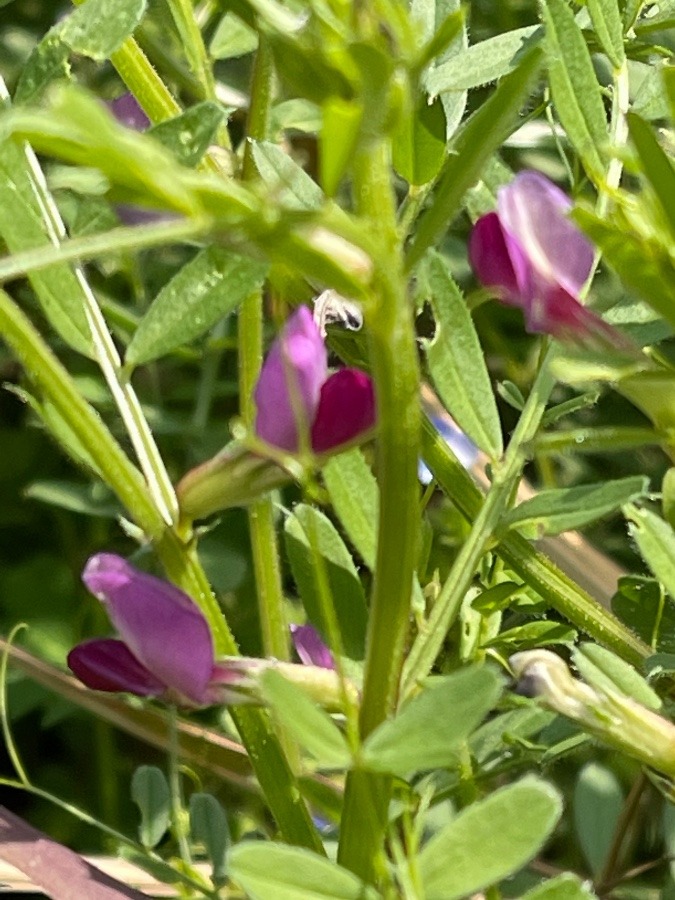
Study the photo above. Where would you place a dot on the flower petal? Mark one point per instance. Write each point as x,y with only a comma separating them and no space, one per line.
288,390
534,211
491,261
346,410
161,626
310,647
128,112
106,664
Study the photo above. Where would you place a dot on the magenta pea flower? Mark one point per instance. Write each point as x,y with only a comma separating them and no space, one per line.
310,647
299,404
531,254
164,649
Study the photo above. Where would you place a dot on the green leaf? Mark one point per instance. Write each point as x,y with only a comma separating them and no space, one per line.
268,871
89,499
285,178
150,792
455,359
564,887
598,800
47,62
471,149
355,497
608,27
23,201
532,634
208,825
656,542
641,604
574,86
642,263
605,670
555,511
307,533
189,135
311,726
489,840
484,62
656,166
98,28
232,38
207,288
339,135
419,145
445,712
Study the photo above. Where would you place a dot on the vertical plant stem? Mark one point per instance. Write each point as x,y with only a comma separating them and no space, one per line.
428,643
396,376
193,44
261,513
176,791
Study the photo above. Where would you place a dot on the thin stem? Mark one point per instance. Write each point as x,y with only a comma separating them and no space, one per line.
428,643
193,44
628,811
176,790
396,376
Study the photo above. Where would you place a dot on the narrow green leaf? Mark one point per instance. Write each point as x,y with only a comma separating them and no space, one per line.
207,288
445,712
23,227
574,86
489,840
355,497
98,28
555,511
208,825
605,670
455,358
656,166
311,726
284,177
419,146
598,800
268,871
656,542
87,499
308,531
606,18
643,264
471,149
339,135
150,792
189,135
564,887
531,635
484,62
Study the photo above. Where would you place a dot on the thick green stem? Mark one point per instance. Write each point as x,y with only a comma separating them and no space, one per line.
507,474
395,371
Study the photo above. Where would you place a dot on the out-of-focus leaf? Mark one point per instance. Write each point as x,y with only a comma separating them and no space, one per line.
564,887
150,792
308,531
269,871
444,713
207,288
455,358
208,824
339,136
232,38
284,177
355,497
98,27
47,62
489,840
656,166
598,800
73,496
574,86
419,146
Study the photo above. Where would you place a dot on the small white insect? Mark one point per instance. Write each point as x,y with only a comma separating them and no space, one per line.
331,308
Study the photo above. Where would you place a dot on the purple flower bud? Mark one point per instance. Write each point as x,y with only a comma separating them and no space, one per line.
127,111
294,394
165,647
533,256
310,647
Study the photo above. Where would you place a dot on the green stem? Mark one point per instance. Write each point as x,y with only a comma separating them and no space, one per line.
428,643
176,791
395,371
193,44
536,570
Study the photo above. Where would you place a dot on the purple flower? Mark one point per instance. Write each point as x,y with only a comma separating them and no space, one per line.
164,647
533,256
310,647
128,112
295,396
